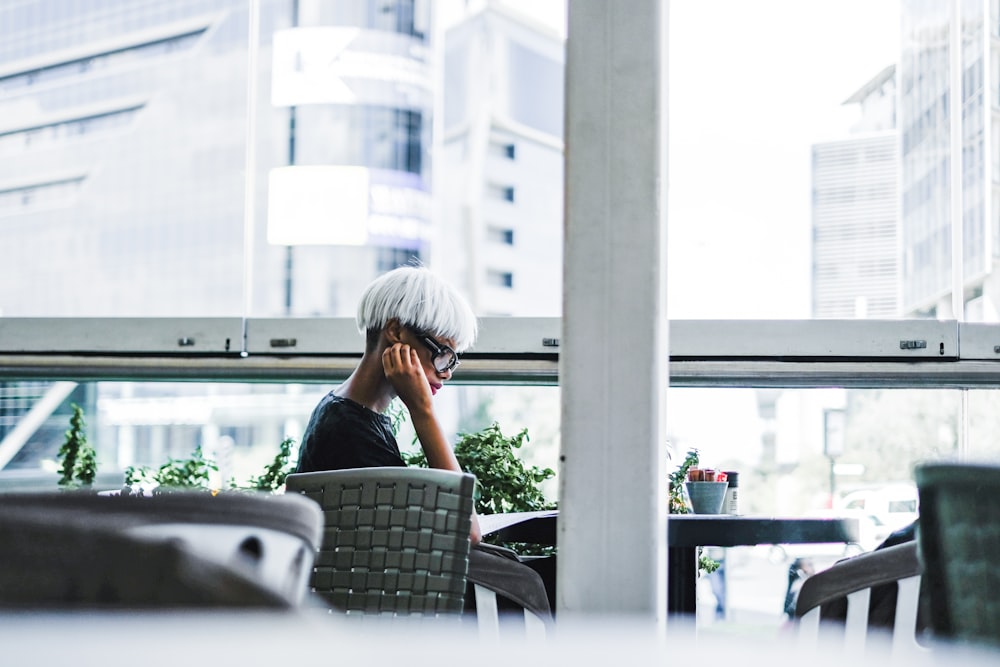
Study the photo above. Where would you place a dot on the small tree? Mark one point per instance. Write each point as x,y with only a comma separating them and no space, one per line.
79,460
274,474
86,465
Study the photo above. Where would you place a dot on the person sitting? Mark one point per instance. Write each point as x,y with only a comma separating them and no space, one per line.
415,325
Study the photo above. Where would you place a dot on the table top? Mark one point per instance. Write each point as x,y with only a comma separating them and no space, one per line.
728,530
691,530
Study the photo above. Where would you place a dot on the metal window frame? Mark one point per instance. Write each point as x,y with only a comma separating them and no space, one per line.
510,351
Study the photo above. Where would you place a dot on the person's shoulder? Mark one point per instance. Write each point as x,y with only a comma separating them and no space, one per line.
905,534
345,412
334,403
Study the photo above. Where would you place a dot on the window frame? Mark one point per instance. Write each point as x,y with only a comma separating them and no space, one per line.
510,350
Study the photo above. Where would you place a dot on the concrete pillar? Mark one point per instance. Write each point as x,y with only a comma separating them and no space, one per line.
613,353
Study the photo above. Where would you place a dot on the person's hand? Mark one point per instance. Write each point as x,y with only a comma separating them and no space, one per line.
476,534
405,373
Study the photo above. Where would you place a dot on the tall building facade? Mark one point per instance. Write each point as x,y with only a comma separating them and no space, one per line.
354,83
855,195
924,123
500,175
125,133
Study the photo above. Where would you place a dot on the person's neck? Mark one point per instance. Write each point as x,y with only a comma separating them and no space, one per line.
367,385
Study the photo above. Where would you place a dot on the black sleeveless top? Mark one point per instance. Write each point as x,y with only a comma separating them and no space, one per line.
343,434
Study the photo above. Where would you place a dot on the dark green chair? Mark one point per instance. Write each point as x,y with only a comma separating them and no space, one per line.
959,540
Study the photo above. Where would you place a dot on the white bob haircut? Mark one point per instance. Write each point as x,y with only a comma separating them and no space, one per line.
421,300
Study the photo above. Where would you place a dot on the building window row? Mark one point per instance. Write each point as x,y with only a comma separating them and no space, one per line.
501,192
74,127
376,137
933,118
399,16
12,83
922,191
972,79
503,149
501,235
52,192
387,259
497,278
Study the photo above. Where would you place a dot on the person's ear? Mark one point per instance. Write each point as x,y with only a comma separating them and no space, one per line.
393,331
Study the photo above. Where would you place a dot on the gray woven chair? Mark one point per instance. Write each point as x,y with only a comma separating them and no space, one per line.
395,540
959,538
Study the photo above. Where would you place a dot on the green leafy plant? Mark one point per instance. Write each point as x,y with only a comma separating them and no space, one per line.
503,482
273,477
78,466
195,472
190,473
678,501
78,459
397,415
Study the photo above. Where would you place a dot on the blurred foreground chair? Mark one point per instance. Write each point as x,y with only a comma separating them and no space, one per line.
959,539
837,604
74,550
395,540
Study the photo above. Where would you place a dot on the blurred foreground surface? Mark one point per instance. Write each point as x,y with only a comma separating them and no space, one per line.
307,637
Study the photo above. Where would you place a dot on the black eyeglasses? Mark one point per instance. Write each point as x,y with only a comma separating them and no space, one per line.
443,357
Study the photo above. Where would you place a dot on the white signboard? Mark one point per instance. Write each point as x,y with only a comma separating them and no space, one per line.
316,65
318,205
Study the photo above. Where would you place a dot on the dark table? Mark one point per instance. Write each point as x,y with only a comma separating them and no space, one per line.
685,533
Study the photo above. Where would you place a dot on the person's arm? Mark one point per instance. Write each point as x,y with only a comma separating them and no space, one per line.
403,370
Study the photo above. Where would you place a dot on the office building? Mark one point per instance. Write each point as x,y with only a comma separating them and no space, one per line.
500,175
855,254
924,122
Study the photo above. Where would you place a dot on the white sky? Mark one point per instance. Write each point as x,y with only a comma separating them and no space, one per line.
758,84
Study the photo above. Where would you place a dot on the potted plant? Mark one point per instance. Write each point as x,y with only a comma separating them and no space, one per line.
679,504
503,482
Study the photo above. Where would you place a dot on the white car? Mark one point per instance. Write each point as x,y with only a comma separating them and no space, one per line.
895,506
892,506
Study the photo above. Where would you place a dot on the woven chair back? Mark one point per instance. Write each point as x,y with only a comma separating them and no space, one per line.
395,540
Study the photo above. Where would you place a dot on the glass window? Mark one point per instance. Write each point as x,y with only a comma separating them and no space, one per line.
388,15
391,258
501,192
810,177
534,77
501,235
774,155
498,278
